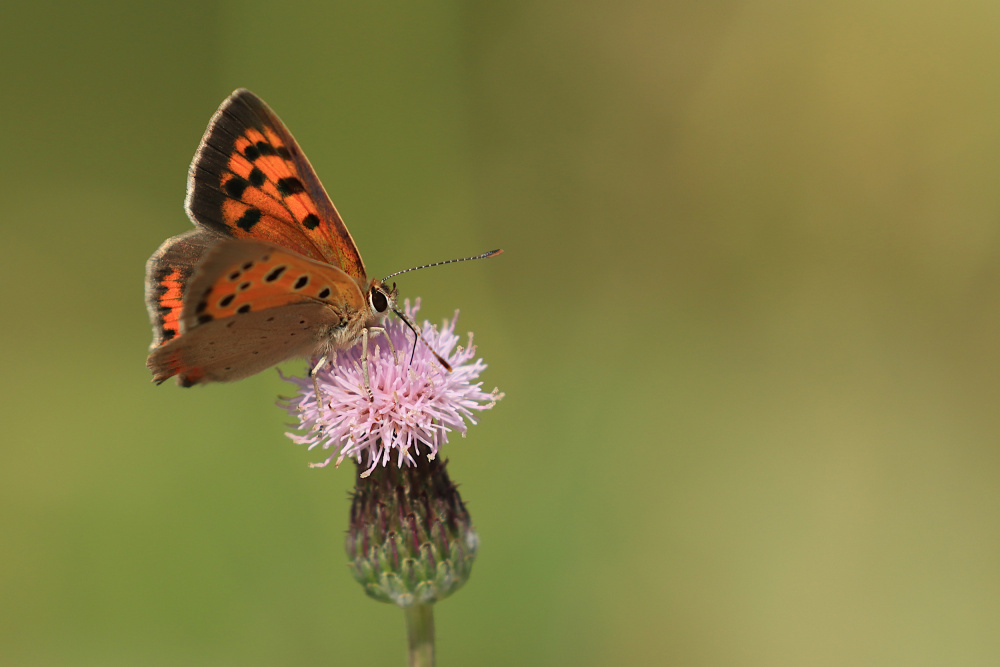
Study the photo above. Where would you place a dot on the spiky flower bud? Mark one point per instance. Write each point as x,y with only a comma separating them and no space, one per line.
410,539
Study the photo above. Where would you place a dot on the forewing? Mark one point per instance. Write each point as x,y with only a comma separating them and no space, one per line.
167,274
250,179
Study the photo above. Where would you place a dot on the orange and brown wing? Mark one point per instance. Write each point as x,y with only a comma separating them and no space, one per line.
250,305
250,179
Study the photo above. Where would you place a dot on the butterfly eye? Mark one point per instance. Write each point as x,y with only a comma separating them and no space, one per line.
378,301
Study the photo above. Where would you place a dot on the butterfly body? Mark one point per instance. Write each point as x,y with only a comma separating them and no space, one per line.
270,272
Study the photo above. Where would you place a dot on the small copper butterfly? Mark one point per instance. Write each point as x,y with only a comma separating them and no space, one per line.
270,272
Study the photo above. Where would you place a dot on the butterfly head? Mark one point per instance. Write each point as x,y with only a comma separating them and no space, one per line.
381,299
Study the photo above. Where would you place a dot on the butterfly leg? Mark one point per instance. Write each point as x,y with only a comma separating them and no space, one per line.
312,373
371,332
364,364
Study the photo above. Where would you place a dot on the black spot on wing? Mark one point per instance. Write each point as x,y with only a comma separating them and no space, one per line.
235,186
290,186
311,221
249,218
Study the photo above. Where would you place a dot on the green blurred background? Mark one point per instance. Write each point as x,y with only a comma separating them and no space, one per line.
747,323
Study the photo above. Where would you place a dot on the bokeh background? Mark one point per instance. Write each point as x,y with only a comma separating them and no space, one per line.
747,324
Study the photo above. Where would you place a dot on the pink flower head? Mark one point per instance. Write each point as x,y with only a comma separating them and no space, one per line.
416,403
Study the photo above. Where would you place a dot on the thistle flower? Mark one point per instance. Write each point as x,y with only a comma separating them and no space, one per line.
415,403
410,540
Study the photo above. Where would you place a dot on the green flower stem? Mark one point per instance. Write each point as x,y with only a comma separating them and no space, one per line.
420,634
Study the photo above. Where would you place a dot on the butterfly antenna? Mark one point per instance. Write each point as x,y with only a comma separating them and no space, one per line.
440,359
491,253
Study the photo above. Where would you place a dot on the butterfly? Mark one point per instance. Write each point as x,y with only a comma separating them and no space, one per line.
270,272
